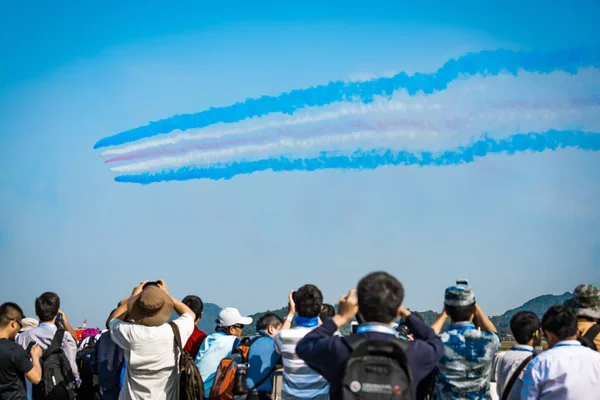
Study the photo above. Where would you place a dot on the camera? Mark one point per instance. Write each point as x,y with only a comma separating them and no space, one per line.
154,283
463,282
403,331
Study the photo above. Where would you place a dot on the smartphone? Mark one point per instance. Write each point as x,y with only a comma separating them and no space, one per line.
58,319
154,283
354,326
464,282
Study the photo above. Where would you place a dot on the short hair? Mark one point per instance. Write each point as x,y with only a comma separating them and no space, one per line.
194,303
560,321
524,325
460,313
8,312
379,297
47,306
268,319
309,301
327,312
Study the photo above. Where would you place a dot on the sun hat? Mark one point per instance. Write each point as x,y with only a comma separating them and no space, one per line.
152,307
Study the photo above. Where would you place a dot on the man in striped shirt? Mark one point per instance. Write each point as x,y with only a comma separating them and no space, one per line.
299,380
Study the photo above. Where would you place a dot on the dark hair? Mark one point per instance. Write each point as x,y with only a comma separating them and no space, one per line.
327,312
267,320
309,301
524,325
560,321
460,313
8,312
194,303
47,306
379,297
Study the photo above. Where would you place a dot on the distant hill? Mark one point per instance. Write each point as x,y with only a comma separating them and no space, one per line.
537,305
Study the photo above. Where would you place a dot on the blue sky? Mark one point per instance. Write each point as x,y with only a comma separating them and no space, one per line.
516,227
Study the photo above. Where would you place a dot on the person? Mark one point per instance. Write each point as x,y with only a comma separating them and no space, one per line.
220,344
465,369
28,323
140,327
567,370
262,357
15,364
108,361
526,329
47,309
327,311
377,303
193,344
299,380
585,303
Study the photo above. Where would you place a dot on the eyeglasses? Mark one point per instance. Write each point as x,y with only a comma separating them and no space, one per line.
239,326
20,324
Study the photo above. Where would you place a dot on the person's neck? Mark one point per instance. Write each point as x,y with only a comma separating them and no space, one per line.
569,338
4,334
48,322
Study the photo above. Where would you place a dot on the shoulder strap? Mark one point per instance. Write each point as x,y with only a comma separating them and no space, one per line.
513,378
354,341
592,332
175,329
57,339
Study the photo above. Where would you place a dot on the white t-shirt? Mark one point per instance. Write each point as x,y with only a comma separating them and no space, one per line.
151,358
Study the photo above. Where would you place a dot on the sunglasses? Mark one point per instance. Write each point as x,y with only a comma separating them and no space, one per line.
239,326
20,324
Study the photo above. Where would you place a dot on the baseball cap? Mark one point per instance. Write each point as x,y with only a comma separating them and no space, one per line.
231,316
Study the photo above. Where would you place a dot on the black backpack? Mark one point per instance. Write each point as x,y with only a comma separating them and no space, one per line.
58,381
191,386
86,359
587,340
376,369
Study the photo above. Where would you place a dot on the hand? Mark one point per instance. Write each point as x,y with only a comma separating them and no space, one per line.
404,313
36,351
138,289
163,286
291,303
347,309
63,316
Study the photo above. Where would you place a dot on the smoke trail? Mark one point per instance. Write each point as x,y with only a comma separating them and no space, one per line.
484,62
517,116
371,159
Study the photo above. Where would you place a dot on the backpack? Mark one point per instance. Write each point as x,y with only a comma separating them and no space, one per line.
376,369
191,386
86,359
58,381
222,388
587,340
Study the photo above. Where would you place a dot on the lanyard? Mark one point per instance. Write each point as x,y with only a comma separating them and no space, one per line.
461,328
376,328
567,345
515,348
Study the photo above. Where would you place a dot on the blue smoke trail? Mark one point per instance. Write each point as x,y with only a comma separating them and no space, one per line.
535,142
484,62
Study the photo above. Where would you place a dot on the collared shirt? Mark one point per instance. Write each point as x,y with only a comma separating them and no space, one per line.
506,363
43,335
263,359
568,371
151,357
299,380
466,366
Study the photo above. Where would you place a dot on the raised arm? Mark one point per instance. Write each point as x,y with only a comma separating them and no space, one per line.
121,310
287,323
439,323
34,375
484,322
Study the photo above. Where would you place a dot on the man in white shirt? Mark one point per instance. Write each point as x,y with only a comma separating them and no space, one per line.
567,371
510,365
139,326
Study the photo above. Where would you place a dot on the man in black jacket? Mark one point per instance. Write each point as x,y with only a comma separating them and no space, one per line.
378,302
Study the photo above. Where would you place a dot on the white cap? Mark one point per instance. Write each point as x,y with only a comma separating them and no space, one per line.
231,316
